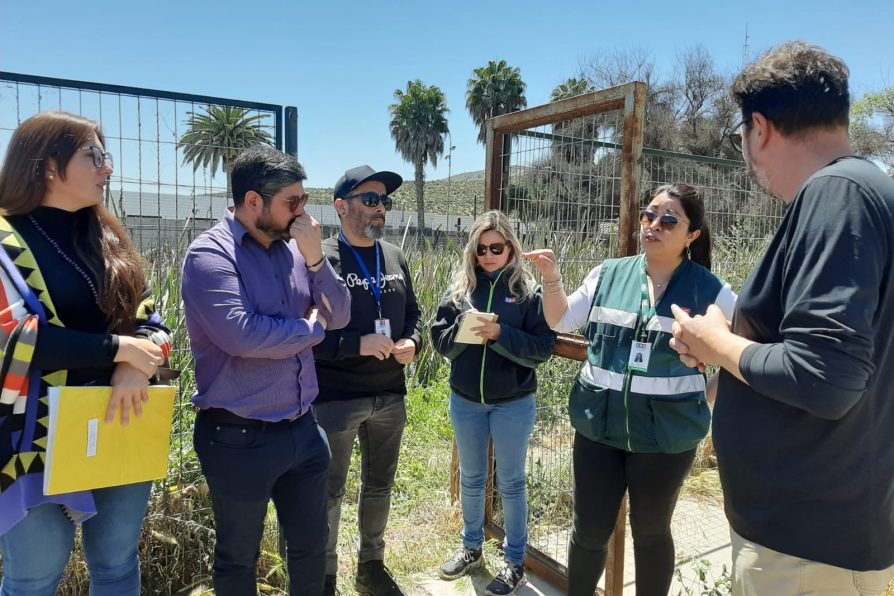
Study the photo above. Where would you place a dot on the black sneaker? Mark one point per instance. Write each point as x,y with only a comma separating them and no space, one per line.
329,588
461,563
509,579
374,579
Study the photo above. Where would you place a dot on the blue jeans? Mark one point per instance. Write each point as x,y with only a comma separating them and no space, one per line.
510,425
36,550
249,464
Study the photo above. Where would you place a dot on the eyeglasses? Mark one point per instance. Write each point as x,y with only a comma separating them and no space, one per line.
735,137
495,249
294,202
371,199
667,221
98,156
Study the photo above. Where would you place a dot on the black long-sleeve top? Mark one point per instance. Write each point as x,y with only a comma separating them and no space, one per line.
83,346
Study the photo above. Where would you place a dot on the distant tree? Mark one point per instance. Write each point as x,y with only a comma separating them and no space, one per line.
574,138
418,126
494,90
570,88
215,138
872,126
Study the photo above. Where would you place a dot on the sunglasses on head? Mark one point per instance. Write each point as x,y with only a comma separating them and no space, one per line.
667,221
495,249
294,202
371,199
98,155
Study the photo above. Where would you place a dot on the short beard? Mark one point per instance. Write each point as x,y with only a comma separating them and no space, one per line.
761,178
265,224
372,232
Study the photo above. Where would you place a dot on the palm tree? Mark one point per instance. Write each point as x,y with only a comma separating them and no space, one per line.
418,126
570,88
216,137
494,90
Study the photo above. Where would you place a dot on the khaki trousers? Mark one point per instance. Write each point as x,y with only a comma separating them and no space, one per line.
760,571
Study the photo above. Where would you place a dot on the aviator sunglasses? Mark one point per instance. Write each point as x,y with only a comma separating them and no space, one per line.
294,202
667,221
495,249
98,156
371,199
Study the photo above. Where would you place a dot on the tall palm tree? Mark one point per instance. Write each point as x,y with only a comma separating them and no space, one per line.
494,90
217,136
418,126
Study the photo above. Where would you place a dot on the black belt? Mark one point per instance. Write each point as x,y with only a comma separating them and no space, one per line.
227,417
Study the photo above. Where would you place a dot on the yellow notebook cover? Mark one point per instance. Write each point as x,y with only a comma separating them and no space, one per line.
85,452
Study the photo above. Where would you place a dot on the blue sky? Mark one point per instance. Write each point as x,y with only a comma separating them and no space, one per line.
340,62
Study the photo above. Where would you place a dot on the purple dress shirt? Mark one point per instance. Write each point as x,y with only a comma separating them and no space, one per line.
246,309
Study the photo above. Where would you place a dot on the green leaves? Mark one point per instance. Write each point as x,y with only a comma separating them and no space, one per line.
494,90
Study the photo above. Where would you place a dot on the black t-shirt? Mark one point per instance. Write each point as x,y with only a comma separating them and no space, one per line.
342,372
805,450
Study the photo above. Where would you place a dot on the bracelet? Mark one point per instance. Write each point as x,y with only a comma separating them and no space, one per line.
323,258
557,290
554,282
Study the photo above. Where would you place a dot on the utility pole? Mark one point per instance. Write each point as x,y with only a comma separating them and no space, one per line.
745,48
449,173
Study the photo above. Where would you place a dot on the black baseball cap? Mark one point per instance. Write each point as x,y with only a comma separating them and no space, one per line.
357,176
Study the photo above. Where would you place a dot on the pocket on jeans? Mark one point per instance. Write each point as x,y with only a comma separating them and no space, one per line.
679,424
234,436
587,409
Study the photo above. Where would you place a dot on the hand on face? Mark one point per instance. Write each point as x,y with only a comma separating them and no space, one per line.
308,236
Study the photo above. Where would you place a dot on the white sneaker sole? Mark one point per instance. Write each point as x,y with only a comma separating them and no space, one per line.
473,565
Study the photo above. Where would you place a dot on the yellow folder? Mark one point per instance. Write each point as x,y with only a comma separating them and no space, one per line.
85,452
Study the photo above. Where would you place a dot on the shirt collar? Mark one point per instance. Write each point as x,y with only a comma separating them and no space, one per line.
236,228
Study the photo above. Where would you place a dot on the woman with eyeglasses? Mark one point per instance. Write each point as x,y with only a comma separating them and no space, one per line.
74,310
492,388
638,412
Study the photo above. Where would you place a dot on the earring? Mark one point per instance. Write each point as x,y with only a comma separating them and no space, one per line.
50,176
688,252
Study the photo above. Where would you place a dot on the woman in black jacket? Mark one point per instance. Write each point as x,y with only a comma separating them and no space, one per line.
492,388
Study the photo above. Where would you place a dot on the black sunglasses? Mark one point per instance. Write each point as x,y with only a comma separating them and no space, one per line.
294,202
495,249
667,221
98,155
735,137
371,199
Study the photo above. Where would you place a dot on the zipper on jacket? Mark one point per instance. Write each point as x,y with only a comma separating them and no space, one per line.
490,298
628,378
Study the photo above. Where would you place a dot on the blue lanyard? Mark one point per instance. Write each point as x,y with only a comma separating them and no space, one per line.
373,282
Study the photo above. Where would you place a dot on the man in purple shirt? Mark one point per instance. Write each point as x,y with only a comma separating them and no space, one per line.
258,295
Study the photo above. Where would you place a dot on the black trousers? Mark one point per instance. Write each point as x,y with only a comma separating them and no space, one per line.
601,476
248,464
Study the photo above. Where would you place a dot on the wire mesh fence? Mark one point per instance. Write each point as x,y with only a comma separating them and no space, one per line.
171,151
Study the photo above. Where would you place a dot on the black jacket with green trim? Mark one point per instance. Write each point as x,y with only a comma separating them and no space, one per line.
500,370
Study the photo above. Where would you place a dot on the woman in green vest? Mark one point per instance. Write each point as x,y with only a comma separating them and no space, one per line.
638,412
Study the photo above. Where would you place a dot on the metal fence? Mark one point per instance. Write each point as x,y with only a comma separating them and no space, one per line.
165,200
572,175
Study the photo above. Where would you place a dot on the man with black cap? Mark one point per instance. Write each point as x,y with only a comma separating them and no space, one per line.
361,369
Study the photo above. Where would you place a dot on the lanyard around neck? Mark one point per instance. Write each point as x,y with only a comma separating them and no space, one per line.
373,281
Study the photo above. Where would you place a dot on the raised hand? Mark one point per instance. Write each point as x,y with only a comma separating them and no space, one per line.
546,263
308,236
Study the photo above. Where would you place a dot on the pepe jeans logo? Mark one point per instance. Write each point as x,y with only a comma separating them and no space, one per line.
353,280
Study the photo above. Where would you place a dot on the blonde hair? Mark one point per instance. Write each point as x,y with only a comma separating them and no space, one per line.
521,282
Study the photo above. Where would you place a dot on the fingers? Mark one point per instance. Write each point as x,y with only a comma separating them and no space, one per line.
678,346
681,315
112,409
136,403
125,410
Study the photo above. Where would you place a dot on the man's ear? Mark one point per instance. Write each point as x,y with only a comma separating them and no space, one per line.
254,201
761,130
341,207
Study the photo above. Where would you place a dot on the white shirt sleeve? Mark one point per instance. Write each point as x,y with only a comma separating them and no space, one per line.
726,301
579,302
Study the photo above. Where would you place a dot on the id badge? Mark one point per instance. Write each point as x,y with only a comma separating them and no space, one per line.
640,352
383,327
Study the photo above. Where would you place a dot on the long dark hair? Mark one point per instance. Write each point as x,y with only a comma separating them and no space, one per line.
101,241
694,207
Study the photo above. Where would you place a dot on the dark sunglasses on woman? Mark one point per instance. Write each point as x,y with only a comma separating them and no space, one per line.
495,249
371,199
667,221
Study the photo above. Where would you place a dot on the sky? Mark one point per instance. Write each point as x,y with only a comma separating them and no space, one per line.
340,62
